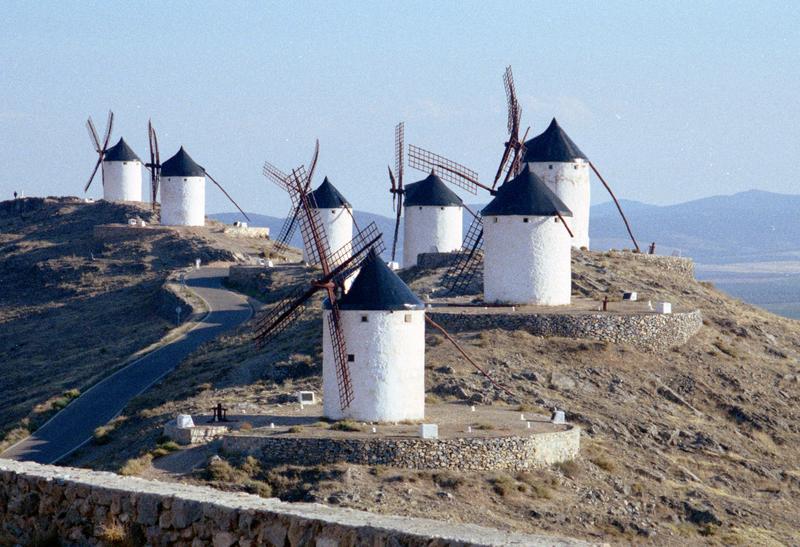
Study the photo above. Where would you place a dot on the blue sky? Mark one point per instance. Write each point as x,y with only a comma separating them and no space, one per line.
672,101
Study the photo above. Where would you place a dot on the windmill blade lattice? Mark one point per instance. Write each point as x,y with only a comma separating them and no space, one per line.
455,173
461,272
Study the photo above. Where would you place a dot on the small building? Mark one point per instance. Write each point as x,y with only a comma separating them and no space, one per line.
527,251
183,191
433,219
383,326
558,161
336,215
122,173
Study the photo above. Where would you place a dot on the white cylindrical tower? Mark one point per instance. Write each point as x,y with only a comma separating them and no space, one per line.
433,219
527,251
183,191
122,174
383,327
336,215
561,165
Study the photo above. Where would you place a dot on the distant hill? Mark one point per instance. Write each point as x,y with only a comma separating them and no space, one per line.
745,227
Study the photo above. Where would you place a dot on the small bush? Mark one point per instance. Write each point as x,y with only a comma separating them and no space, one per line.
502,485
346,425
245,426
487,427
603,463
295,429
448,479
220,470
569,469
532,484
260,488
113,533
135,466
102,435
251,466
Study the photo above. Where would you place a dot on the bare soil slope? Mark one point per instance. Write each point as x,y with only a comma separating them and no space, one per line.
695,445
72,310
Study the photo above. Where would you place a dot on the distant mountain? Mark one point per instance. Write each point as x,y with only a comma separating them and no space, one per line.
745,227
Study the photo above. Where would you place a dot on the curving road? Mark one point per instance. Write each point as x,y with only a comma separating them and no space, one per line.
75,424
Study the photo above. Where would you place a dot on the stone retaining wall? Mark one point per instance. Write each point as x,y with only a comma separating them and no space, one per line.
48,505
646,331
478,453
431,261
681,266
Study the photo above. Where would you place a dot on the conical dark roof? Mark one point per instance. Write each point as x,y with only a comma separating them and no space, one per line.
181,165
430,191
552,145
120,152
376,287
328,197
526,194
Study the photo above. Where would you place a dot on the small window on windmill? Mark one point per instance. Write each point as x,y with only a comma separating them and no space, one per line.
550,166
420,208
441,208
364,318
495,220
124,163
555,219
185,180
575,166
525,219
407,318
351,358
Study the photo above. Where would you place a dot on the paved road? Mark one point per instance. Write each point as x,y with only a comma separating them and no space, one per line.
72,427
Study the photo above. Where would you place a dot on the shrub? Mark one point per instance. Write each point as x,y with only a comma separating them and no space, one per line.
345,425
295,429
448,479
569,469
245,426
502,484
251,466
260,488
221,470
602,462
135,466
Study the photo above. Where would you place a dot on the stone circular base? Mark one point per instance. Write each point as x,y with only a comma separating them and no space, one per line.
478,453
482,439
647,331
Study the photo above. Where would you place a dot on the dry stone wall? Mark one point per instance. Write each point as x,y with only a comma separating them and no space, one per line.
39,503
477,453
646,331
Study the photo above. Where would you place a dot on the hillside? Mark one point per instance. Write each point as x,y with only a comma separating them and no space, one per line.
72,310
698,444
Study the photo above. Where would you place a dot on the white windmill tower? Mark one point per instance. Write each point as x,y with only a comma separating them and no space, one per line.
383,326
183,186
335,214
183,191
561,165
527,250
433,213
121,168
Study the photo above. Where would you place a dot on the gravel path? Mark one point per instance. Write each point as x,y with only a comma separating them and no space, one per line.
72,427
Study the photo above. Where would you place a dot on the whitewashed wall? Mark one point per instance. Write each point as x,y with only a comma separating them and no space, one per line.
430,229
183,201
122,181
338,226
570,181
388,371
526,262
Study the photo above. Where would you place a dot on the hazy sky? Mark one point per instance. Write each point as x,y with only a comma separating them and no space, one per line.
672,101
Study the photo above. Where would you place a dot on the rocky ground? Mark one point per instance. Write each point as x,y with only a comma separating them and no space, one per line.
697,444
73,309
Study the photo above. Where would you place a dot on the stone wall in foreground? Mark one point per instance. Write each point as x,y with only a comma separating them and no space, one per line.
646,331
79,507
476,453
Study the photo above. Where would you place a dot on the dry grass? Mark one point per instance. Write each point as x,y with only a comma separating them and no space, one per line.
136,466
346,425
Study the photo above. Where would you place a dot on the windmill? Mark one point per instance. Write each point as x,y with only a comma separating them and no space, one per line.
336,268
182,183
99,148
377,301
462,270
286,183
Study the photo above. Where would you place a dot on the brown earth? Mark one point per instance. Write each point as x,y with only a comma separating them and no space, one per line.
73,310
694,445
